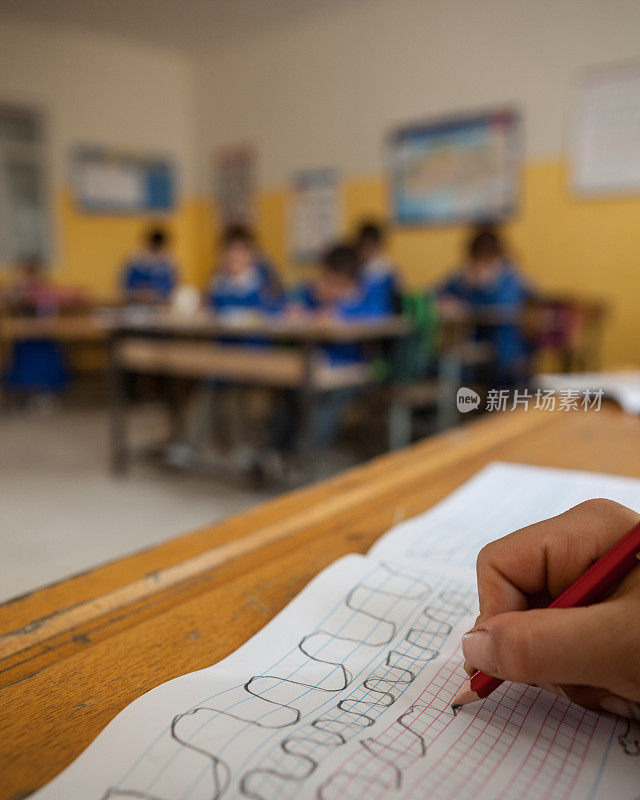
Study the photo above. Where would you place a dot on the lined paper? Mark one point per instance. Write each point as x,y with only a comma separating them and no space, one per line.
347,692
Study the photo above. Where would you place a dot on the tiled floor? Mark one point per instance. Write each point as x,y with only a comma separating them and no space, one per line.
61,512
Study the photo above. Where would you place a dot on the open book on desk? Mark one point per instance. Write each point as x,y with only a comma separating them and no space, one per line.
346,693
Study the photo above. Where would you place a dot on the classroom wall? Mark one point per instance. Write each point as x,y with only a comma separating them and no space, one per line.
97,90
324,90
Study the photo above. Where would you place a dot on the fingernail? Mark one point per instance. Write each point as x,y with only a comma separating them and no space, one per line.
478,650
620,707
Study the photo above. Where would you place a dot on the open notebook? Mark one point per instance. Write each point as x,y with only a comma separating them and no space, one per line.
346,693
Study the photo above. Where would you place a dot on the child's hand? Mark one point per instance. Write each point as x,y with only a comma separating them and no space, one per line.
592,652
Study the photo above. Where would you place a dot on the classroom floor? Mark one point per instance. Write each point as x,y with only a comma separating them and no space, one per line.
61,512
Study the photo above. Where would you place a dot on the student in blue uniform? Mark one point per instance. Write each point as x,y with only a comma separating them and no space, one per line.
490,283
336,294
245,280
379,275
150,276
244,283
37,367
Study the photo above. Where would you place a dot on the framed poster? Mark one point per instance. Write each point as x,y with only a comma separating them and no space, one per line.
605,142
456,169
106,182
315,217
235,184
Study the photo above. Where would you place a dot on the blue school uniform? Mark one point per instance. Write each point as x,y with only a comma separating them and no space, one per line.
150,273
380,283
253,291
360,305
36,365
508,292
250,292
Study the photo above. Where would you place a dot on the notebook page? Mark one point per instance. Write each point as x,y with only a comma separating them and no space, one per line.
347,693
498,500
622,386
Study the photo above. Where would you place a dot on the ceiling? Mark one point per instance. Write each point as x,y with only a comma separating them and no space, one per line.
178,23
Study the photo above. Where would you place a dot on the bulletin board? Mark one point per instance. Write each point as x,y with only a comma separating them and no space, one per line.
315,213
107,182
456,169
605,140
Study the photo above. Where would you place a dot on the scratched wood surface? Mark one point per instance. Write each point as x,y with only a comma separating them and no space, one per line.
72,655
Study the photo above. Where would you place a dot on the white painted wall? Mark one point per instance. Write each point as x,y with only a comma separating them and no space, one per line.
99,90
319,88
324,89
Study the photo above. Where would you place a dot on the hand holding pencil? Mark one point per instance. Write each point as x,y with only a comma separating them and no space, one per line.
590,653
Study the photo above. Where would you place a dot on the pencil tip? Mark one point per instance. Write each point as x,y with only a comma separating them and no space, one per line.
464,696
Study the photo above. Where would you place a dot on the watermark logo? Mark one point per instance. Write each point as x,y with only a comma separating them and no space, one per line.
540,400
467,400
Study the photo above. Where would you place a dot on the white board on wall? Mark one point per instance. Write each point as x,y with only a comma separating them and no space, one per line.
605,146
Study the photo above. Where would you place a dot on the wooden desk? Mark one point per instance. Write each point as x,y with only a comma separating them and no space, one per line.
204,325
80,333
165,343
75,653
84,327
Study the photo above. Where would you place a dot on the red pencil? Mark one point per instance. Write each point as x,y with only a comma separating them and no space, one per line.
601,576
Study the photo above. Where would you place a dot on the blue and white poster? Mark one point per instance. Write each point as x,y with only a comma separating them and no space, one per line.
113,182
457,169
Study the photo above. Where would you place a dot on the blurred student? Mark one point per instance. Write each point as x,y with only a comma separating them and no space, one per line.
379,275
244,280
37,367
149,277
337,294
489,287
243,283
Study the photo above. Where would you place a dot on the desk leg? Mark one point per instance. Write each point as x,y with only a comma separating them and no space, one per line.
119,456
174,396
308,399
449,378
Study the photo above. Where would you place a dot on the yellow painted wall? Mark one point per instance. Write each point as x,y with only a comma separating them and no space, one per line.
93,247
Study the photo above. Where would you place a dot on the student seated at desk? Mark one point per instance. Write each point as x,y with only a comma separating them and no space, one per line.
37,367
379,275
337,294
244,281
490,284
150,276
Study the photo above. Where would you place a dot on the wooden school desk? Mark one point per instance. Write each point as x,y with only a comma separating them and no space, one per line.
74,654
71,328
77,332
162,343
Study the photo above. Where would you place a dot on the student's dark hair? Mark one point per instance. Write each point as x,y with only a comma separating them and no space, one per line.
237,234
157,237
343,260
370,232
485,243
